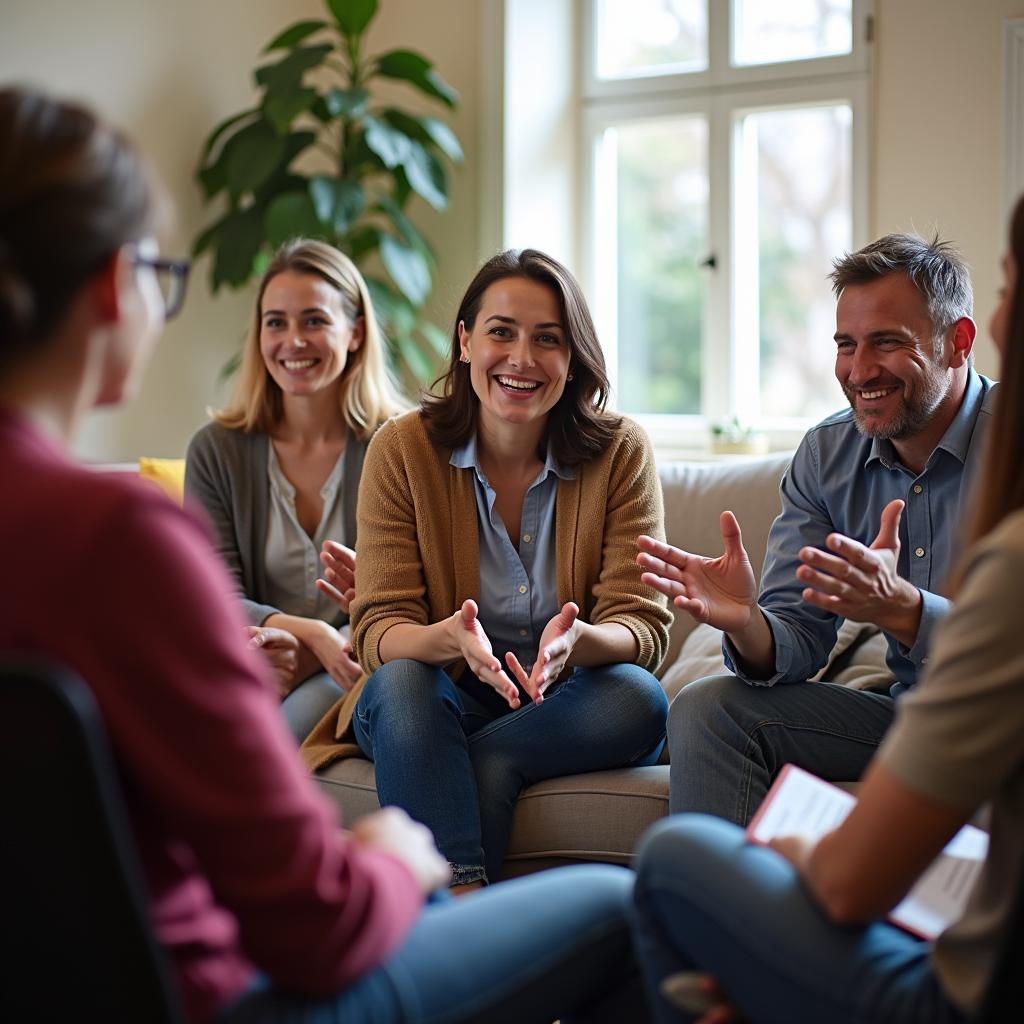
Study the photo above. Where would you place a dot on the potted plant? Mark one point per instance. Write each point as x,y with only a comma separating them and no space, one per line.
362,160
737,438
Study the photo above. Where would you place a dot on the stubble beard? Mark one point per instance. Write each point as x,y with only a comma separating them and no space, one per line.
910,418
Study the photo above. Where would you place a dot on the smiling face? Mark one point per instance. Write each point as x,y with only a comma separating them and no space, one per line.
518,352
893,369
305,334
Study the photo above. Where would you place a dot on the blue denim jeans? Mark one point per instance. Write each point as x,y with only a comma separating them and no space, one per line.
454,760
554,944
708,900
309,702
728,740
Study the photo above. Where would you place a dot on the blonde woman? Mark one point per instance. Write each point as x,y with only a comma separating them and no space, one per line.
278,469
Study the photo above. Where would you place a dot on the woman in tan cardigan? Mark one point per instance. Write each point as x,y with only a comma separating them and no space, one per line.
506,632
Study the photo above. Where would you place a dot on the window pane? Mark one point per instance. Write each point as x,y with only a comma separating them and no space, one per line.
646,37
765,33
661,209
804,220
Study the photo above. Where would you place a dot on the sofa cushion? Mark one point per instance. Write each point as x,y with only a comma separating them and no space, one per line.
592,817
857,660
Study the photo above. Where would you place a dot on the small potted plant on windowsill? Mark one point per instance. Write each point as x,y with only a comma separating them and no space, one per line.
736,438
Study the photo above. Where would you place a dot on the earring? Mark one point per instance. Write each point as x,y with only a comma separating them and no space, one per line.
463,358
569,377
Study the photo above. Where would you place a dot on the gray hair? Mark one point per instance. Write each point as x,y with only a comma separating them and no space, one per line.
936,268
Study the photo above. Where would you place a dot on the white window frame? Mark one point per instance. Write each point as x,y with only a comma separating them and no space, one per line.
517,169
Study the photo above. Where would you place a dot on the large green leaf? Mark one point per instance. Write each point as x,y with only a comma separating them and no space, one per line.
240,241
390,144
337,201
430,130
418,71
291,215
281,108
361,242
346,102
394,311
208,236
287,73
427,176
438,339
407,267
405,227
252,155
353,16
294,34
217,132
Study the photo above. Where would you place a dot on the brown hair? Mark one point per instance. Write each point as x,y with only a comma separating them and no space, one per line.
1003,489
578,426
368,395
72,192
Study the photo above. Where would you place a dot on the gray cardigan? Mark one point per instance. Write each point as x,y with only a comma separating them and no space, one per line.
226,473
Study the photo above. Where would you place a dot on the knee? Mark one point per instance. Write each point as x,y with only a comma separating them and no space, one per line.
401,693
696,844
640,695
700,703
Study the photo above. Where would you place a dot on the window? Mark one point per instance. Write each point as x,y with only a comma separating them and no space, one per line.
723,165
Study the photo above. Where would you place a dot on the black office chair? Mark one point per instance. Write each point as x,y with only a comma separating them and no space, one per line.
77,942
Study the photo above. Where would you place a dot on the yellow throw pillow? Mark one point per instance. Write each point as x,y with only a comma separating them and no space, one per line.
167,474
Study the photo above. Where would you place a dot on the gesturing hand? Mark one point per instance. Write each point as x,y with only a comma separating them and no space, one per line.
334,652
339,582
472,642
556,644
860,583
721,591
391,829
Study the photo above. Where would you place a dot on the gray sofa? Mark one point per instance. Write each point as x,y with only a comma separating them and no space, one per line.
600,815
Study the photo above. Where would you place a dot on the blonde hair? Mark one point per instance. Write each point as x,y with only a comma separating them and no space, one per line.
368,395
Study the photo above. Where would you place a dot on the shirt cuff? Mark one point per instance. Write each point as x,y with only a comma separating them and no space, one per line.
783,655
933,610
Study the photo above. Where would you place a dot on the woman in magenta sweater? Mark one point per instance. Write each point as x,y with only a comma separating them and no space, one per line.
267,910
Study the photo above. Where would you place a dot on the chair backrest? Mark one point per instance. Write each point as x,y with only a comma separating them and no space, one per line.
77,943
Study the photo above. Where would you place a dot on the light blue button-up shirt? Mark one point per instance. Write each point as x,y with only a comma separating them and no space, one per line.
838,482
518,590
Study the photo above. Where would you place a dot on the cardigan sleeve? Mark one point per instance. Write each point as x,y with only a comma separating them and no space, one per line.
390,585
634,506
210,480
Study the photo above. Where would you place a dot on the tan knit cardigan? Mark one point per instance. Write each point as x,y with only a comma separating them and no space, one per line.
419,554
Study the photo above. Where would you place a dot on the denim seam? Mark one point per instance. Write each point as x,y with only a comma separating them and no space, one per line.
743,797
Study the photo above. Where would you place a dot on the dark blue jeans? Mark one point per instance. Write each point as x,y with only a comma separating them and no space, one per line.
728,740
550,945
453,759
708,900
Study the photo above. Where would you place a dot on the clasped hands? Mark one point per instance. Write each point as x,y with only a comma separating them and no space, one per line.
849,579
556,644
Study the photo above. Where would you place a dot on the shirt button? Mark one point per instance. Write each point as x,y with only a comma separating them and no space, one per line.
527,538
919,552
918,488
522,586
523,632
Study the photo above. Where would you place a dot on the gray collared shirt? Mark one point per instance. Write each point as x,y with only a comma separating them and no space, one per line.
293,557
839,481
518,590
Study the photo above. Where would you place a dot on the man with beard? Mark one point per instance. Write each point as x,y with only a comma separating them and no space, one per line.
873,504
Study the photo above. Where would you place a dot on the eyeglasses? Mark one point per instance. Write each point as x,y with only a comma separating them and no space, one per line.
172,277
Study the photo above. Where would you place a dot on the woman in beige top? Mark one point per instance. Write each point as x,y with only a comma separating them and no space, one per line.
795,933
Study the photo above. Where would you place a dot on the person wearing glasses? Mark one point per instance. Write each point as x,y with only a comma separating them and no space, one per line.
278,470
267,911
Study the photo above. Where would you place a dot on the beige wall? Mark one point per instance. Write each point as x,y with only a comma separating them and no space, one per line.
168,72
937,151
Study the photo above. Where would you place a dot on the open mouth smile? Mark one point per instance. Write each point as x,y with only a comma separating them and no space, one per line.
517,385
294,365
876,393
